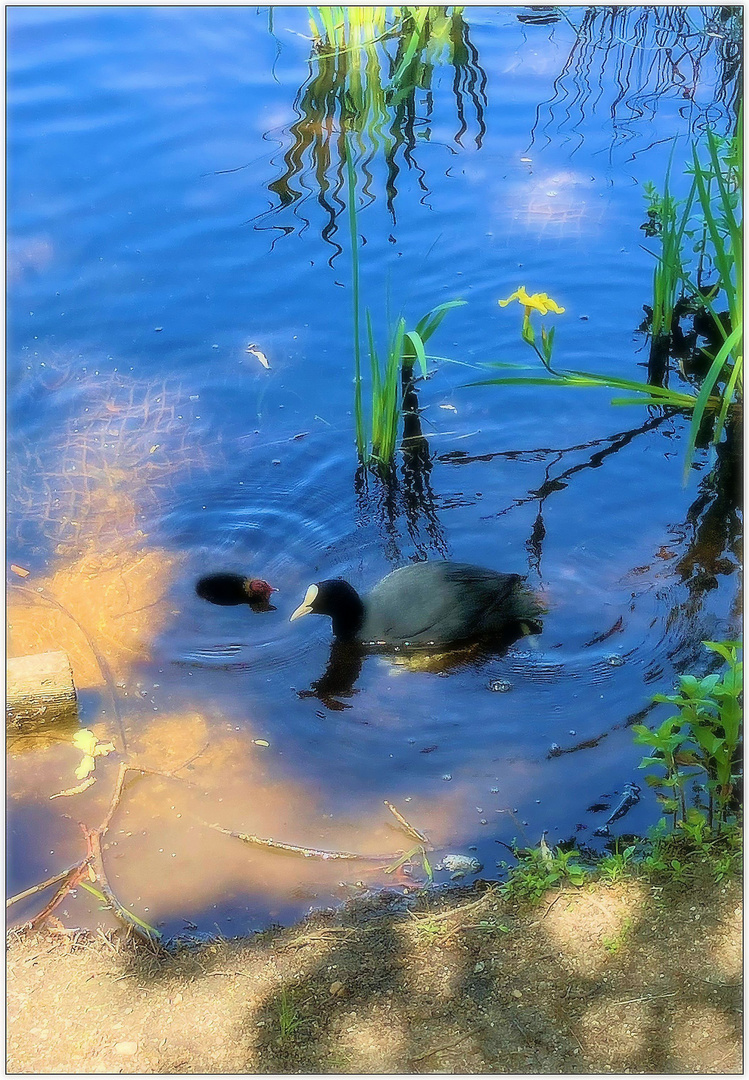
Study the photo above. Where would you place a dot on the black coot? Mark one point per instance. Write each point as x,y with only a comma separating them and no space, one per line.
231,589
426,604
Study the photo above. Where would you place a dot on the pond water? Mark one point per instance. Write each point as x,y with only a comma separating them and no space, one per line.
177,193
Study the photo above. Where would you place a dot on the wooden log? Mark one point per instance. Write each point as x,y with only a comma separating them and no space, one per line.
40,692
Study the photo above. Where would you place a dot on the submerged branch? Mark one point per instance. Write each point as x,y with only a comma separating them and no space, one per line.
93,861
296,849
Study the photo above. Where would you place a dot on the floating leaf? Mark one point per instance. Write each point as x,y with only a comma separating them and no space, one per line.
19,570
260,742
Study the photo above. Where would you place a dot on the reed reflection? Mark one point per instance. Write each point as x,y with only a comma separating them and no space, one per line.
372,74
628,59
389,496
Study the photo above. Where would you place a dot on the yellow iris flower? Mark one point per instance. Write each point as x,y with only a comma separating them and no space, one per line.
540,302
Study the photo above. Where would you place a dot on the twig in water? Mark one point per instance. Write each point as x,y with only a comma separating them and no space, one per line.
408,828
70,882
294,849
142,930
93,858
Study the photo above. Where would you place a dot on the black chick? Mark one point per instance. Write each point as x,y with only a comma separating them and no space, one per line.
231,589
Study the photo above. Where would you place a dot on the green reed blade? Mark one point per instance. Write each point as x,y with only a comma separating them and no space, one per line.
719,255
418,348
125,911
427,325
707,385
677,401
374,364
727,398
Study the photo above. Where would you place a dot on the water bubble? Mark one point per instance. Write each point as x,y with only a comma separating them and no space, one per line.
494,790
447,776
500,686
614,660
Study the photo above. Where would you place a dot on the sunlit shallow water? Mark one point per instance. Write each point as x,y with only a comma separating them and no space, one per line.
148,446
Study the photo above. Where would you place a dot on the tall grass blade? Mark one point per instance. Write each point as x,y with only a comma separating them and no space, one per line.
728,393
427,325
419,351
708,383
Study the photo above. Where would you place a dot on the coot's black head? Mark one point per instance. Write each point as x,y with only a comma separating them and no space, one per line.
337,599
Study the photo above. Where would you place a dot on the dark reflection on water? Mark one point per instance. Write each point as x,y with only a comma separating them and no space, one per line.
405,491
624,60
369,90
346,660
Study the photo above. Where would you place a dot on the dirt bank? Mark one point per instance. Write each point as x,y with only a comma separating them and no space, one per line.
626,978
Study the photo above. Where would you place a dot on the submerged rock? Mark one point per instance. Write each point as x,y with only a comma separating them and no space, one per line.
460,865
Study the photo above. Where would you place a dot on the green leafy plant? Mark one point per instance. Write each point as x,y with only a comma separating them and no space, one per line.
614,943
613,867
700,740
540,869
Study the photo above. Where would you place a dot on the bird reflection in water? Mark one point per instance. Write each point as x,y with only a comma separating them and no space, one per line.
346,660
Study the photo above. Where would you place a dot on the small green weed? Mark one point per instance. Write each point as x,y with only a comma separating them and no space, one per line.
540,869
614,866
691,853
429,930
614,943
289,1018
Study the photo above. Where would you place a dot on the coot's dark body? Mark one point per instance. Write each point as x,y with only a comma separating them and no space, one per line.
426,604
439,603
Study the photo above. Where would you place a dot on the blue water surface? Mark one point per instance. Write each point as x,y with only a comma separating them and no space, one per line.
150,151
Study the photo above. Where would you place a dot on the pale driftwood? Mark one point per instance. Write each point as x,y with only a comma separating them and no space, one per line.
40,692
